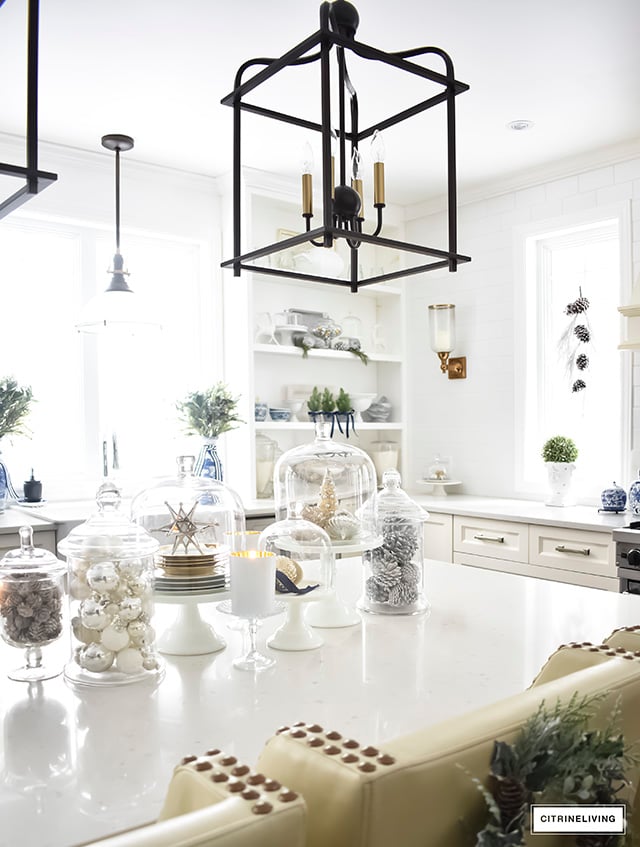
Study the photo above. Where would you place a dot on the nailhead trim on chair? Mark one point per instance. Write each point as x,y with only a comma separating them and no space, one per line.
226,770
333,744
606,649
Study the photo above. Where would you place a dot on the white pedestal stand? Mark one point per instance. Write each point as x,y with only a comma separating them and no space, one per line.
294,634
438,486
189,635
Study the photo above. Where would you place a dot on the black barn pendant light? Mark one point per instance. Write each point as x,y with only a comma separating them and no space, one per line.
342,217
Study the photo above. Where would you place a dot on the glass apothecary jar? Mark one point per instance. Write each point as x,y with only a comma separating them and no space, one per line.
327,483
394,571
111,581
33,606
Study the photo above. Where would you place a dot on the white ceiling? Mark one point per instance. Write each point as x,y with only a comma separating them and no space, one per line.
157,70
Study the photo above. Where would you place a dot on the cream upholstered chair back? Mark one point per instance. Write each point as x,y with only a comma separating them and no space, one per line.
417,790
215,801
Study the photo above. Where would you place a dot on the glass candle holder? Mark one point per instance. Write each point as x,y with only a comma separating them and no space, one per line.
252,579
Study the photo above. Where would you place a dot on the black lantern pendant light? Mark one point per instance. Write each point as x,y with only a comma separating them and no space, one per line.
342,214
117,307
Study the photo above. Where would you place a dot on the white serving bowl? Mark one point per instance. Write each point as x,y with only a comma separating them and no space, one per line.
360,403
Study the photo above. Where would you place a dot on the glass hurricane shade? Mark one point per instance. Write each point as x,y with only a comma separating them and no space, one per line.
442,327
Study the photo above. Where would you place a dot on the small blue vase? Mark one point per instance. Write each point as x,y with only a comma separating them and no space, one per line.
208,463
614,499
634,496
7,491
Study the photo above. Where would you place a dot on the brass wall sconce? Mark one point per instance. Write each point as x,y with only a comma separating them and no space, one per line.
442,334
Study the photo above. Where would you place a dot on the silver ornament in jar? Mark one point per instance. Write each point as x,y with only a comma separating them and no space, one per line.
111,569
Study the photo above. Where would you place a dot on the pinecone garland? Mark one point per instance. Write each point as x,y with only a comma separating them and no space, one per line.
511,797
582,333
582,362
577,307
578,385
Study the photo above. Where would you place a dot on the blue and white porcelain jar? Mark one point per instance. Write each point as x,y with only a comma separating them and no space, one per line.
614,499
634,496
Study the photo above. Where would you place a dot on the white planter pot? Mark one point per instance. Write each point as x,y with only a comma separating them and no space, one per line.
560,474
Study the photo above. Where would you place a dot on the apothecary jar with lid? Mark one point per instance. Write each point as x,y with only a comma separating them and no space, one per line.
394,570
327,482
111,583
33,607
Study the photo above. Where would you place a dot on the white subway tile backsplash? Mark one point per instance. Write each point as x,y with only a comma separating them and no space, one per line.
586,200
614,193
627,171
528,197
560,188
595,179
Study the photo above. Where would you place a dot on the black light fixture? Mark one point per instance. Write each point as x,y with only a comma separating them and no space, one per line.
117,307
35,180
342,204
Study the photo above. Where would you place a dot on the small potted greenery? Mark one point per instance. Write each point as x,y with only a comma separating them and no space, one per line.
209,414
323,406
15,405
559,454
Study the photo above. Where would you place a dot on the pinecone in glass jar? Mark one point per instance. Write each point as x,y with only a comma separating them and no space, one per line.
376,592
401,545
410,574
388,578
403,594
383,559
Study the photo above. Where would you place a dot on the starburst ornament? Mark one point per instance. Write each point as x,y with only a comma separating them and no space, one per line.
184,528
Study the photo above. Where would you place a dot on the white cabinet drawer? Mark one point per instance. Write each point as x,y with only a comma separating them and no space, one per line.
438,537
523,569
572,550
494,539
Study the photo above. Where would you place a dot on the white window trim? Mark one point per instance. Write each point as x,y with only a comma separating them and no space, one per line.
554,227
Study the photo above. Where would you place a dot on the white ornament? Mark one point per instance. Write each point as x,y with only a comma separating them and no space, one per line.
141,633
138,586
131,568
150,663
129,661
130,608
114,638
93,614
79,589
95,658
112,609
103,577
79,566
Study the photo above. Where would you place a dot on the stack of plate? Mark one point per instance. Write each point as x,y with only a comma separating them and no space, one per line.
214,559
165,584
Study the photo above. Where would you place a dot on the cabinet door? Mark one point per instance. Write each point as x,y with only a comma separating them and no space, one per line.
494,539
575,550
438,537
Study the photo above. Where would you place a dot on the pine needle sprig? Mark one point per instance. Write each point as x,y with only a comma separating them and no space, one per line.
15,403
210,413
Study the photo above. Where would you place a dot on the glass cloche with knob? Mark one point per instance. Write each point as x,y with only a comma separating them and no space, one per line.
195,520
111,583
327,482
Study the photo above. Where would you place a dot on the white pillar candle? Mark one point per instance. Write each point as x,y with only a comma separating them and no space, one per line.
253,583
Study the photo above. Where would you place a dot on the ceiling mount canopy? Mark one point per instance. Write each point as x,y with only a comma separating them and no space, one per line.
35,180
342,154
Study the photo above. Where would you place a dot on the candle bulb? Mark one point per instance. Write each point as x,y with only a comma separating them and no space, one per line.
253,583
356,175
307,181
377,154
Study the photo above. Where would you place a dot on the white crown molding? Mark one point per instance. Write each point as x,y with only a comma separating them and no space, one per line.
560,169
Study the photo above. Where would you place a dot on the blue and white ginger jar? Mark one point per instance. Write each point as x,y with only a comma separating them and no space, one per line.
634,496
614,499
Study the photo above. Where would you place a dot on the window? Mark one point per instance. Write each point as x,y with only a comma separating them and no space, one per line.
99,390
573,380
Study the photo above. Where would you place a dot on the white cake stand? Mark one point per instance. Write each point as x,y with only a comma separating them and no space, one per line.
189,635
438,486
295,634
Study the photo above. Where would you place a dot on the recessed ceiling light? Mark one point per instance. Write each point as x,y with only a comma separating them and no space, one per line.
518,126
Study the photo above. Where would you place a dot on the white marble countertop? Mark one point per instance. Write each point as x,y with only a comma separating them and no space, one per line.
525,511
78,764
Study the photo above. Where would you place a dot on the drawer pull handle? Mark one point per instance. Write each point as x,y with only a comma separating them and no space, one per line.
584,551
499,539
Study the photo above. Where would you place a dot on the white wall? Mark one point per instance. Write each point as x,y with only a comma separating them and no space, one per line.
473,420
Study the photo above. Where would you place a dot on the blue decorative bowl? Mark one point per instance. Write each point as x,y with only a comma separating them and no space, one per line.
261,410
280,414
614,499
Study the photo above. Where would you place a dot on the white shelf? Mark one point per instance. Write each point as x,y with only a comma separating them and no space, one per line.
291,350
304,425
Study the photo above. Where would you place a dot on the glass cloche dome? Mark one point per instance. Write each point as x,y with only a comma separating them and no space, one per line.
194,519
327,483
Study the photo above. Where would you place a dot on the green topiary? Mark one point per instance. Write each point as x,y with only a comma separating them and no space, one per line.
210,412
314,401
327,403
559,449
343,402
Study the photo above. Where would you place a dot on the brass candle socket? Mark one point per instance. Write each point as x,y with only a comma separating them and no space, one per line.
307,196
378,184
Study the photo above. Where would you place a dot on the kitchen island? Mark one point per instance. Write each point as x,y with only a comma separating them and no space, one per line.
77,764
